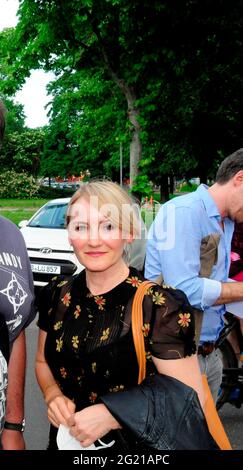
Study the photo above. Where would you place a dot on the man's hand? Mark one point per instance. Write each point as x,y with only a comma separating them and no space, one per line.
91,424
12,440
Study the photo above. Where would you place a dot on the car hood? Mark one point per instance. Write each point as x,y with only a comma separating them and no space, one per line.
56,239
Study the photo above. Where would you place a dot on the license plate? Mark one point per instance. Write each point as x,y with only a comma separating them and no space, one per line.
45,268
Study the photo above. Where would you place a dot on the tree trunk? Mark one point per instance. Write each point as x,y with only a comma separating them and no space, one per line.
203,176
164,188
135,146
133,113
172,184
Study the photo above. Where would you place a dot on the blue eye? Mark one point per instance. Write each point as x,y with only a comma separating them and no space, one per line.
80,227
108,226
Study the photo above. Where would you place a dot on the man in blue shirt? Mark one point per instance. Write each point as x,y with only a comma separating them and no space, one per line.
174,247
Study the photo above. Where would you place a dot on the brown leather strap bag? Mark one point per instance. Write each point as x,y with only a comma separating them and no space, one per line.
214,423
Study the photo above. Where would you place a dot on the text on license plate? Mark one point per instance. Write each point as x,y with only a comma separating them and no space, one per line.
45,268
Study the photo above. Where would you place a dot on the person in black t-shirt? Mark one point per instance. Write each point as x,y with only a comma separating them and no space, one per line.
17,311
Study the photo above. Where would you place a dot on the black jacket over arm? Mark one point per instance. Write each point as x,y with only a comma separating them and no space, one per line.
162,413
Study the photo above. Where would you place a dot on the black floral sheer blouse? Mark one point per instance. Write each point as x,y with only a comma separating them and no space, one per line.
89,346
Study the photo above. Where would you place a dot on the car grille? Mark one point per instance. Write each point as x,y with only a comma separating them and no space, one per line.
51,250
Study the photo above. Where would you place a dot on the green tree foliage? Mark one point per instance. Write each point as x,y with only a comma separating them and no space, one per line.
22,147
193,114
88,39
161,76
84,126
22,151
8,82
14,116
14,125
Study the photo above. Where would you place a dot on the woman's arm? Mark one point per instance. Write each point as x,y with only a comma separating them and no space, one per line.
60,407
186,370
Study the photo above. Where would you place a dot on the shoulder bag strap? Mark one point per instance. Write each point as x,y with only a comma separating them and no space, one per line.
137,324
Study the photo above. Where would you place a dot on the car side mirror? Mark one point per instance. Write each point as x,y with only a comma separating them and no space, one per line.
23,223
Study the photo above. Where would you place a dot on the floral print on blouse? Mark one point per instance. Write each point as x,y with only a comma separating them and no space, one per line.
89,346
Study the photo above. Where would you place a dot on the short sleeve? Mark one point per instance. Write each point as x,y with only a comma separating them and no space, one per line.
170,323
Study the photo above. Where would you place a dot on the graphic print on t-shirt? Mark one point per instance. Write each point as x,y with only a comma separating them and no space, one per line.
16,280
11,287
16,296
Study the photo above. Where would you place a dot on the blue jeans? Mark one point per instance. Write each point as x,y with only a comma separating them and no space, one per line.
212,367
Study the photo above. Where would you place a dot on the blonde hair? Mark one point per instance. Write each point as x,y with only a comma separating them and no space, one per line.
114,202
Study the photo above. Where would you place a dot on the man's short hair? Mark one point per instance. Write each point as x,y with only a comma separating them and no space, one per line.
2,120
229,167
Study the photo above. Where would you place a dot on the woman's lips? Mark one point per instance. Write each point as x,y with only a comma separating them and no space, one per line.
95,254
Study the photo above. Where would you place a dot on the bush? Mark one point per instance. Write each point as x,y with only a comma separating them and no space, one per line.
17,185
47,192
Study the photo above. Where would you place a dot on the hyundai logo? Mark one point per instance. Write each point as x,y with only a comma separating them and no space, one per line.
46,250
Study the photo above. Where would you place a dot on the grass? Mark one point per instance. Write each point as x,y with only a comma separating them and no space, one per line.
17,215
20,209
22,203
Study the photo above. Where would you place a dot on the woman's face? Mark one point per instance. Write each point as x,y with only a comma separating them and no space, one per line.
97,242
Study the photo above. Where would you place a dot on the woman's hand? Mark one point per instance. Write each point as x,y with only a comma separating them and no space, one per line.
91,424
60,408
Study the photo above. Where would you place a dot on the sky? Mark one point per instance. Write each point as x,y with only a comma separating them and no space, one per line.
33,94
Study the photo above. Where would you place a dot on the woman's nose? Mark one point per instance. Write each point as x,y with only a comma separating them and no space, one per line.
94,238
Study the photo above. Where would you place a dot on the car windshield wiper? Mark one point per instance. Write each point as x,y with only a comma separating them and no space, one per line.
39,226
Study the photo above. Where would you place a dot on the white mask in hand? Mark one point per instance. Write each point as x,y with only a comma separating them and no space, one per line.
67,442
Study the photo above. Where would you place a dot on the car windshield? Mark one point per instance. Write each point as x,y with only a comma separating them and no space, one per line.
50,216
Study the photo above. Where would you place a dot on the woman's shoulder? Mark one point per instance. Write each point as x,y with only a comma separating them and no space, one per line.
165,289
58,285
136,278
58,282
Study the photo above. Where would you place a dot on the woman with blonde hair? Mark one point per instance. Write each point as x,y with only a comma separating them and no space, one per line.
86,362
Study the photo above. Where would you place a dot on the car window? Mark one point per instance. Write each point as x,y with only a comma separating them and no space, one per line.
52,216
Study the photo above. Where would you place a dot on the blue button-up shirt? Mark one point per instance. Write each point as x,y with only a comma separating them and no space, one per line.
173,249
